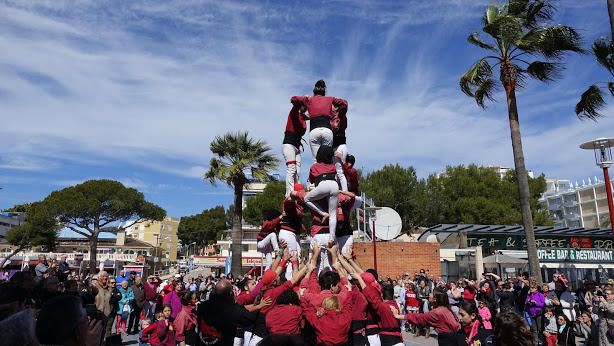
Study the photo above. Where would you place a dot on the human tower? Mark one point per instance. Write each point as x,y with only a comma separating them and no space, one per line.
333,181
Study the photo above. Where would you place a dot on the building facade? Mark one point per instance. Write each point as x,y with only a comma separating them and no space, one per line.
9,220
160,234
579,205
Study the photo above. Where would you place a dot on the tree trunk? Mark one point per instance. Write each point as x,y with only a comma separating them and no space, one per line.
508,77
237,232
9,257
611,13
93,246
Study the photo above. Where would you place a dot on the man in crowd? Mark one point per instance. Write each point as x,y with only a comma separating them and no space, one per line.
103,300
41,268
139,300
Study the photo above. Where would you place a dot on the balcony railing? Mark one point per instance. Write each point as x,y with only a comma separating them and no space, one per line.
554,206
86,256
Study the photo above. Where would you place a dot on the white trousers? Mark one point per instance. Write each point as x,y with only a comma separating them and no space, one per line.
346,243
325,260
254,340
292,155
318,137
238,341
267,246
327,189
294,247
343,149
246,337
374,340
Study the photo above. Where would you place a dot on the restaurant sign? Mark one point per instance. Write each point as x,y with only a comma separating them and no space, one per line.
576,255
517,242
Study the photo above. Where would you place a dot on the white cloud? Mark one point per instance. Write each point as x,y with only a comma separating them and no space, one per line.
90,85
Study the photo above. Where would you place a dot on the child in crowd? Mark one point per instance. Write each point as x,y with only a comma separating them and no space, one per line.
411,304
165,329
148,334
485,314
145,323
550,327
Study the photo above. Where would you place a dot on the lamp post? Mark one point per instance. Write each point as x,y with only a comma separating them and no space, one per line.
602,148
372,217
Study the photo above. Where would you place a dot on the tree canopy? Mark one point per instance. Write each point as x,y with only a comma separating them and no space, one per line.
270,198
88,207
461,194
203,228
40,228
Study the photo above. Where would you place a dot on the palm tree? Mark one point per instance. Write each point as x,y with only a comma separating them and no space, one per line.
523,45
234,154
591,101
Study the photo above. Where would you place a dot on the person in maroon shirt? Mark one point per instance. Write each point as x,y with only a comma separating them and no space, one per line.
331,322
320,107
291,147
291,225
351,175
267,237
286,317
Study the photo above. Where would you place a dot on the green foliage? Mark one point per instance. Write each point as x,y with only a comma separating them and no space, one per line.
203,228
591,101
270,198
517,34
87,207
395,187
471,194
234,153
39,229
19,208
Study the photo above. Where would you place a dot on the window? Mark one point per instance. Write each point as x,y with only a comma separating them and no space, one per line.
245,247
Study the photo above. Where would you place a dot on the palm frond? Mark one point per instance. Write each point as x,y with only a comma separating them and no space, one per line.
490,15
604,52
485,91
545,71
539,10
517,7
555,40
505,28
475,76
611,88
591,102
474,39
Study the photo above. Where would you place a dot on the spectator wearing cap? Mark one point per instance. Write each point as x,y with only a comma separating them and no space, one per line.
119,278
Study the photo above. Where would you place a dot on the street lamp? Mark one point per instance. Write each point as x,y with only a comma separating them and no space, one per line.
602,147
372,217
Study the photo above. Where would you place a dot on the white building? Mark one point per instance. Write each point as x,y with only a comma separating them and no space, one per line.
579,204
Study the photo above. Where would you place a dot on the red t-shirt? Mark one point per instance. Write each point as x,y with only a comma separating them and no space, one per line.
318,105
284,319
411,299
319,168
268,227
274,293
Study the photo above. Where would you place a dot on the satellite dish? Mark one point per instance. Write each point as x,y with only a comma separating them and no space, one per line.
388,224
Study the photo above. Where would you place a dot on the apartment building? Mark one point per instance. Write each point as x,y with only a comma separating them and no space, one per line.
582,204
161,234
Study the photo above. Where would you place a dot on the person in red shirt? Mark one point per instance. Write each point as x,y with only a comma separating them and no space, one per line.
412,304
285,318
339,124
165,330
148,334
331,322
320,107
267,237
291,147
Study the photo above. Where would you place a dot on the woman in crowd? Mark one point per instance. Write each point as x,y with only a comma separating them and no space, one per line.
566,335
588,329
512,330
440,317
124,308
606,317
172,298
534,308
472,331
185,323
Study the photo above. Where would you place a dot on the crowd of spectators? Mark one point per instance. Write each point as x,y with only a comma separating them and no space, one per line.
342,305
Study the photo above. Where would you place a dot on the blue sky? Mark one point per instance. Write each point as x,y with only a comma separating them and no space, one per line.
136,90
